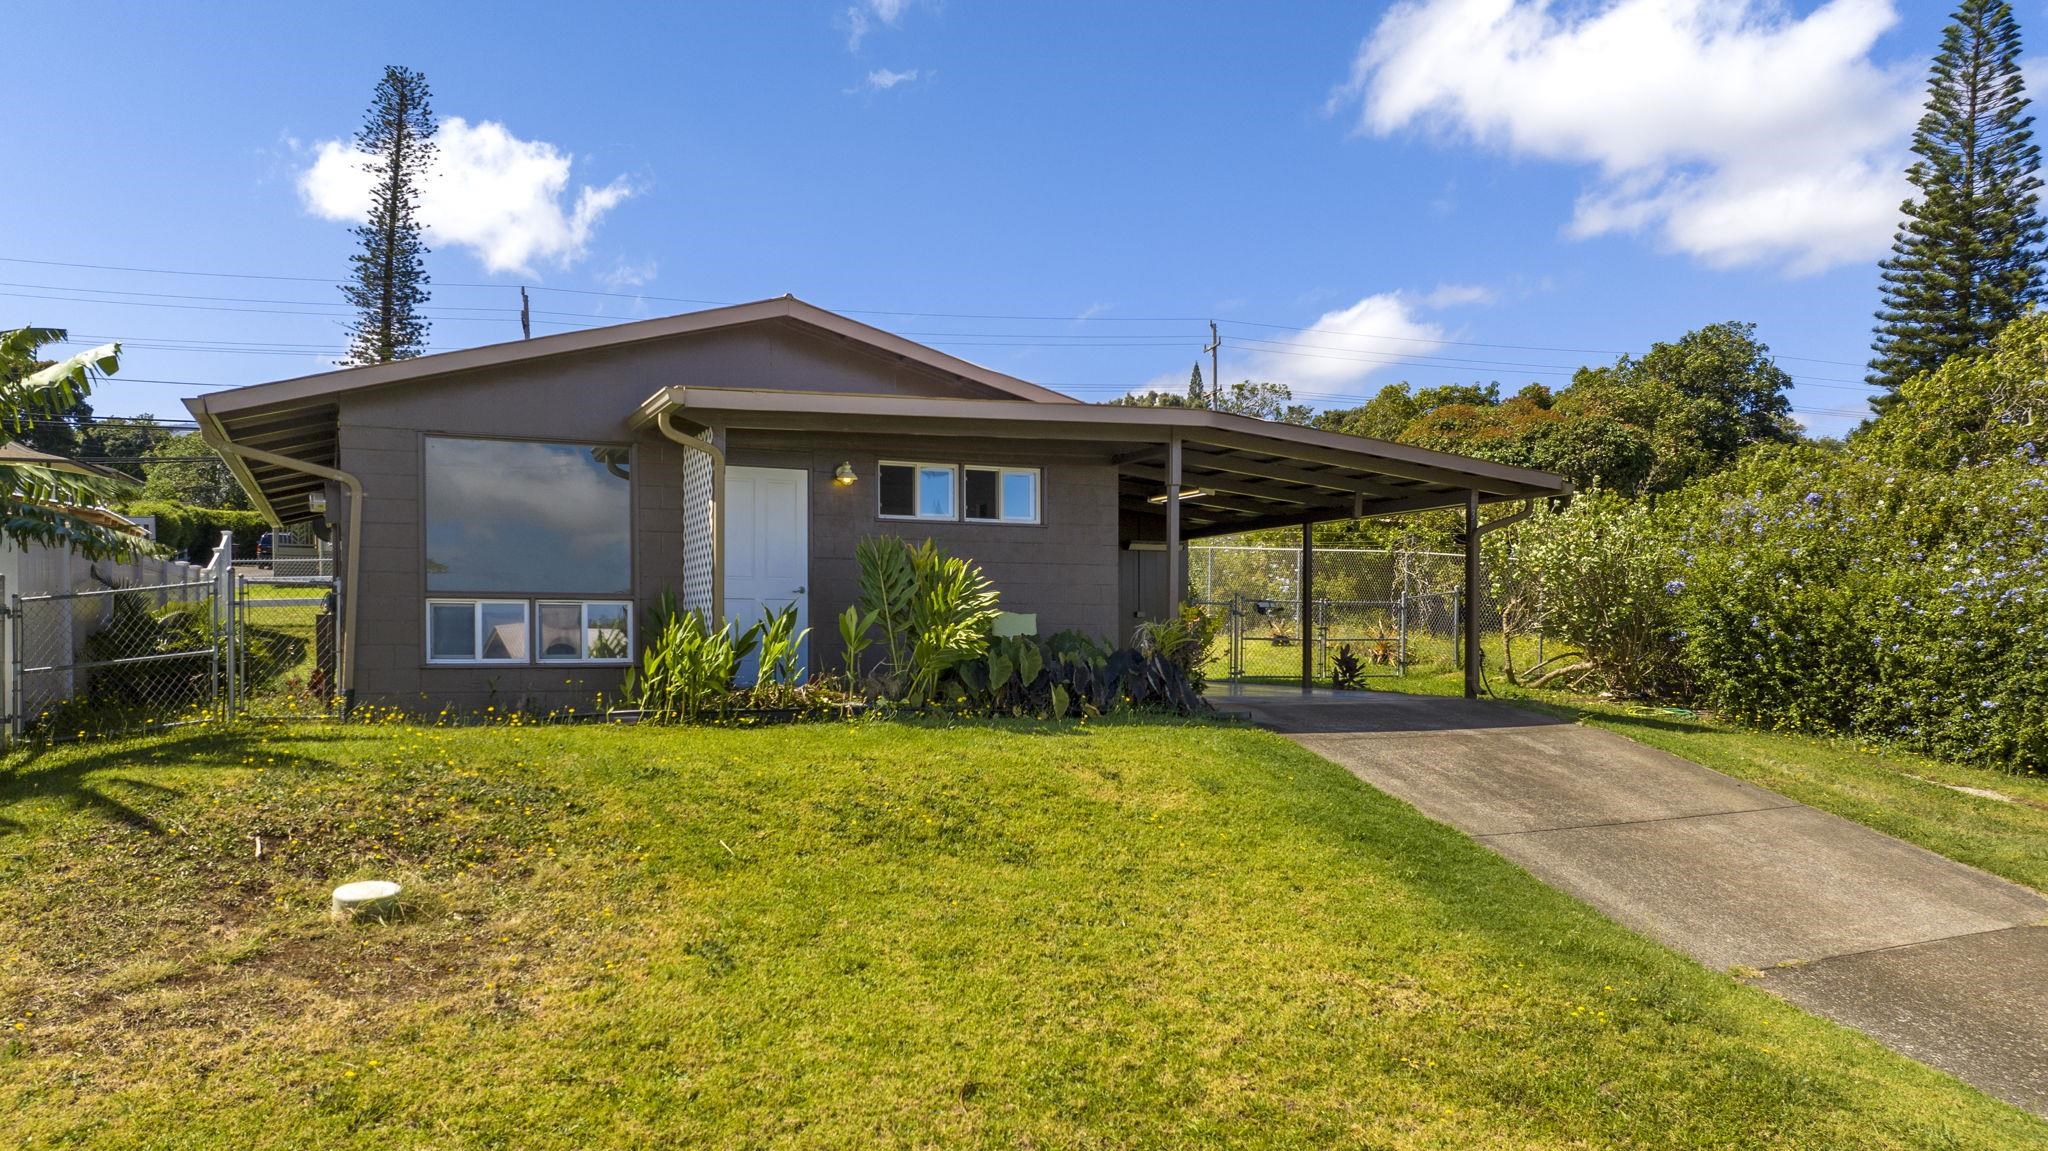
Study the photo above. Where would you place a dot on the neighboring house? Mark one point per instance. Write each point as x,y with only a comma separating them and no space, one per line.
504,515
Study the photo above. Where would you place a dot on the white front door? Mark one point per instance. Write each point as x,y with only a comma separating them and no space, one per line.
767,549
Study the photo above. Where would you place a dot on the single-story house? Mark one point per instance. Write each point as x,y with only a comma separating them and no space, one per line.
504,515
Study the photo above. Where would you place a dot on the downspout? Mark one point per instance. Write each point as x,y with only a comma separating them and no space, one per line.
215,435
665,421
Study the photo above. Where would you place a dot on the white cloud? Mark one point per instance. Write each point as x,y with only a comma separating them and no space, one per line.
1344,349
623,275
860,19
882,79
1734,132
503,198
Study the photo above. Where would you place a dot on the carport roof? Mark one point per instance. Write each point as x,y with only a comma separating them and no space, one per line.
1247,473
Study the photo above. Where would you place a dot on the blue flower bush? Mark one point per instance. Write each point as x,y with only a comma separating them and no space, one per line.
1814,589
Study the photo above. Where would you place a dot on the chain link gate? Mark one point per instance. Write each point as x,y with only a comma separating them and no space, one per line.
1397,609
108,660
222,644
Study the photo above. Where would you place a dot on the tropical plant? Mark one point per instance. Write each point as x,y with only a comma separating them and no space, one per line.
686,670
781,658
1605,568
1184,642
1068,674
854,626
1345,670
888,589
39,502
950,617
934,611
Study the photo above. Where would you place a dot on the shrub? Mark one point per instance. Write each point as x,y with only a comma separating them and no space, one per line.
1605,568
195,531
1830,592
1069,674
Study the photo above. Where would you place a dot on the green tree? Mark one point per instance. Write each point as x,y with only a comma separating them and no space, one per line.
388,282
185,469
1383,417
120,444
1967,257
1701,400
1260,400
38,501
1972,408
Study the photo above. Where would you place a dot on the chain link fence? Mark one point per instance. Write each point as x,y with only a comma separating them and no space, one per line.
1398,612
232,640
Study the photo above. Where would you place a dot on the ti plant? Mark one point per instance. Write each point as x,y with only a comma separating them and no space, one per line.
781,663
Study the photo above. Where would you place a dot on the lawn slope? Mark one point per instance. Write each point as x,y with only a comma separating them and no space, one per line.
1121,935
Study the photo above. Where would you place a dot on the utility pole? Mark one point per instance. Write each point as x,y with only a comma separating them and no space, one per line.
525,316
1215,381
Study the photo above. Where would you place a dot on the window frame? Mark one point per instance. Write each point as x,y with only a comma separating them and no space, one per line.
917,470
583,656
476,606
1003,472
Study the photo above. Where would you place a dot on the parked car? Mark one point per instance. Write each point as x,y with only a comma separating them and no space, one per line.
265,546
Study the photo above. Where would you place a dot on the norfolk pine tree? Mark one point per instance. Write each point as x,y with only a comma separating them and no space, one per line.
1967,258
389,276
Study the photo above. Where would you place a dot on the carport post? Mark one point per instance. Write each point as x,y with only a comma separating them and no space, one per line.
1173,556
1471,605
1307,614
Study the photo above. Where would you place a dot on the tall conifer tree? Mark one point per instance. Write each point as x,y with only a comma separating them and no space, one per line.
1967,258
389,276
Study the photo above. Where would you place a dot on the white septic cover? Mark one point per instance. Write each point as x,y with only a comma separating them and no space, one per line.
365,891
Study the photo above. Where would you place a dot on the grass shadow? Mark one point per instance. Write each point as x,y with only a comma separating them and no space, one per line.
77,778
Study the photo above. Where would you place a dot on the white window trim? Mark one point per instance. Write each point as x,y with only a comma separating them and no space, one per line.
1002,472
917,489
582,631
476,607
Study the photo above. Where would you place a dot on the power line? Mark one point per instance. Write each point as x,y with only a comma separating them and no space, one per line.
641,296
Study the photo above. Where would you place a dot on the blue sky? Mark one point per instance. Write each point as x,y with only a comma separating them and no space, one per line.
1456,190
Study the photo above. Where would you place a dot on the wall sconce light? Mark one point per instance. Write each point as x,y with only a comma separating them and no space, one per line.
842,476
1185,494
316,502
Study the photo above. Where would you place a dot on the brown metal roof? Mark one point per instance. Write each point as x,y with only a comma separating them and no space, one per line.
1252,473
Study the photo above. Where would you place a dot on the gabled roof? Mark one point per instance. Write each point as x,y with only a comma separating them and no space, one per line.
324,386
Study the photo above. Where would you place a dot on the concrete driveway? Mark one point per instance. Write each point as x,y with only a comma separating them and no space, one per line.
1937,960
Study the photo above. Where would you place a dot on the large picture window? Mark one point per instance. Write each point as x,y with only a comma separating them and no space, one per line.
528,518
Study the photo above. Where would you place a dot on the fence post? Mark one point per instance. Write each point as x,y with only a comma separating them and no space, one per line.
224,596
13,666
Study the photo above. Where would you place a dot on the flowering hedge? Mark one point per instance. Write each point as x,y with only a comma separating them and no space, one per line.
1812,589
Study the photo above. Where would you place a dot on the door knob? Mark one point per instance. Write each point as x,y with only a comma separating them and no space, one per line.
798,591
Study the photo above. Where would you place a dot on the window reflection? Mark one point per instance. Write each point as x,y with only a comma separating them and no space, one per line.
507,516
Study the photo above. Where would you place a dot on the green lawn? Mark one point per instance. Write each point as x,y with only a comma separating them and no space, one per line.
1127,935
1901,794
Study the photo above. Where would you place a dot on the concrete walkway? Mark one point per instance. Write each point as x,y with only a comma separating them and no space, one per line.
1939,961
